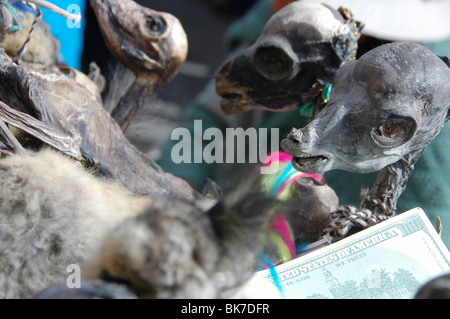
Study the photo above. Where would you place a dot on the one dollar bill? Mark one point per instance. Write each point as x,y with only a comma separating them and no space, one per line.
390,260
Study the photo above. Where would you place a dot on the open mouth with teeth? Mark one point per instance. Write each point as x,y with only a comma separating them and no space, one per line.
310,164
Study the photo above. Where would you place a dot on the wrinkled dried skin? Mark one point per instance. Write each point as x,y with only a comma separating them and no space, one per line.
62,103
298,52
385,109
150,43
382,108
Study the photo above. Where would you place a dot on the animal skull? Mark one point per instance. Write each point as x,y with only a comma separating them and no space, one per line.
389,104
298,52
148,42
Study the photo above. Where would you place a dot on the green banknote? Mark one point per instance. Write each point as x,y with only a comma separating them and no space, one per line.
390,260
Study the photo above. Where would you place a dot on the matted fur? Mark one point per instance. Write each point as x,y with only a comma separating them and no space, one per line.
42,48
52,214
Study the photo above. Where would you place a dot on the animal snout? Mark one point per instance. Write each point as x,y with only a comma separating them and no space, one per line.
227,89
295,135
299,141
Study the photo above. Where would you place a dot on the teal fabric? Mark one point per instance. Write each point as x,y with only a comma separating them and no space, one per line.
248,28
428,186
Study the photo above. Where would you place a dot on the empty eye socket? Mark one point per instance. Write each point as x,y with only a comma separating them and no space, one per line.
155,26
273,63
393,132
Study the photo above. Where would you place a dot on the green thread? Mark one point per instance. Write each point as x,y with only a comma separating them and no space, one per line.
308,108
326,93
15,16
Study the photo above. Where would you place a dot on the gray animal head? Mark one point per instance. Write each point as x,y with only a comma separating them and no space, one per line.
392,102
298,52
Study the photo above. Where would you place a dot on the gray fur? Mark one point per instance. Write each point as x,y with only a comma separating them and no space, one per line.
53,214
43,47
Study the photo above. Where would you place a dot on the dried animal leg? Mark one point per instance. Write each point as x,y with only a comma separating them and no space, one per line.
10,141
41,131
54,97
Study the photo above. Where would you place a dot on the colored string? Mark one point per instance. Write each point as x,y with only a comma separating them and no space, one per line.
287,177
281,179
280,232
15,16
308,108
281,227
326,93
273,273
293,178
301,246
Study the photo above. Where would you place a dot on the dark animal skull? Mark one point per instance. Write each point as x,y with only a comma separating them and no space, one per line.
389,104
150,43
298,52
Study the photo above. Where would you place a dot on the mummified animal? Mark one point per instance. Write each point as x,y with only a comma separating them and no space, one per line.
385,108
59,106
152,44
53,214
58,215
297,54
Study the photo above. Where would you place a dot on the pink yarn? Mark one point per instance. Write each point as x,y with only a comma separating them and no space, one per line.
277,157
279,224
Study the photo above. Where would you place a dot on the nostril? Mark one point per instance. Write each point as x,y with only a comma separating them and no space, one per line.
295,136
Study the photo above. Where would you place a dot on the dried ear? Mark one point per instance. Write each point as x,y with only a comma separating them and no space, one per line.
346,42
446,61
347,14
